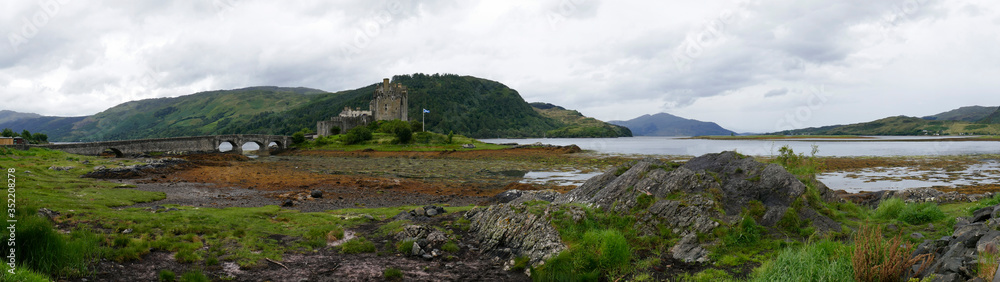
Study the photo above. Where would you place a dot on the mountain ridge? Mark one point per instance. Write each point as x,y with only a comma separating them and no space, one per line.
664,124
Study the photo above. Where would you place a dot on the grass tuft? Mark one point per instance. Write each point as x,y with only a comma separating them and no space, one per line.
821,261
357,246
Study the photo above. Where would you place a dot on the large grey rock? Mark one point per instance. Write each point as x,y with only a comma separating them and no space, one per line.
688,250
734,179
506,232
955,257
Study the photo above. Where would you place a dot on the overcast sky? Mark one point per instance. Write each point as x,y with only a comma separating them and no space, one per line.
751,66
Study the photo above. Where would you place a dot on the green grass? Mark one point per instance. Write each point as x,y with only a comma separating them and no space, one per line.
167,276
912,213
392,273
241,235
194,276
821,261
450,247
357,245
388,142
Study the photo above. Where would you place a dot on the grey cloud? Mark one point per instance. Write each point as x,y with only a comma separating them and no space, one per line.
776,92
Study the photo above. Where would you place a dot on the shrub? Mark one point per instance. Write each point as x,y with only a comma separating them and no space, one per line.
877,259
357,135
921,213
357,246
889,209
822,261
298,137
451,136
416,126
167,276
895,208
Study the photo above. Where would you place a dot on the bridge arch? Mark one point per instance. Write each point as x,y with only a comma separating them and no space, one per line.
113,151
232,146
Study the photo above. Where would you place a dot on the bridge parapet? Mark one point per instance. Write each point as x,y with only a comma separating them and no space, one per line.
208,143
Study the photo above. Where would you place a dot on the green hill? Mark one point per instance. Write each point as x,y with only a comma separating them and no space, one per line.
992,118
903,125
467,105
573,124
969,114
201,113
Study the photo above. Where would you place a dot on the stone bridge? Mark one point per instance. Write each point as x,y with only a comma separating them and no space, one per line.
196,144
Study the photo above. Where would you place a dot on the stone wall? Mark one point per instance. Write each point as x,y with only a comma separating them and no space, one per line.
324,128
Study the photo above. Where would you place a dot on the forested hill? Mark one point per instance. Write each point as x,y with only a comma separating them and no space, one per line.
466,105
203,113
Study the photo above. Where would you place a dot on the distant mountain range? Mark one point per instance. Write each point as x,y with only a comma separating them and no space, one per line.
467,105
8,116
969,114
664,124
973,120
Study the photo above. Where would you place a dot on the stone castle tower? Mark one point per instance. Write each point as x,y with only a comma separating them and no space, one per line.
389,102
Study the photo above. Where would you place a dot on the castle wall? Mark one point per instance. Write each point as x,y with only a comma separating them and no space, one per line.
323,128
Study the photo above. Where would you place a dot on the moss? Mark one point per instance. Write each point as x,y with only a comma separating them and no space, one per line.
622,169
755,209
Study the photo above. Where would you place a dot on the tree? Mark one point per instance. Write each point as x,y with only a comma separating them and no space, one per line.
26,134
40,137
8,133
298,137
404,135
451,134
416,126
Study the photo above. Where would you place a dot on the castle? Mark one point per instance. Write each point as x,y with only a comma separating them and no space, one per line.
389,102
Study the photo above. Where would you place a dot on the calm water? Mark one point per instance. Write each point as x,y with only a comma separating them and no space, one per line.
930,146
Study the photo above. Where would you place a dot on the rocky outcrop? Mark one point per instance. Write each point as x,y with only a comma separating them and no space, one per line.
726,180
506,231
515,196
691,199
427,241
914,195
955,257
136,171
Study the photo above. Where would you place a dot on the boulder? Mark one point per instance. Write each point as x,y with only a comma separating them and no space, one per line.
316,194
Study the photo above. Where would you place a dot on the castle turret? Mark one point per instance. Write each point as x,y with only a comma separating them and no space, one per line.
390,101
